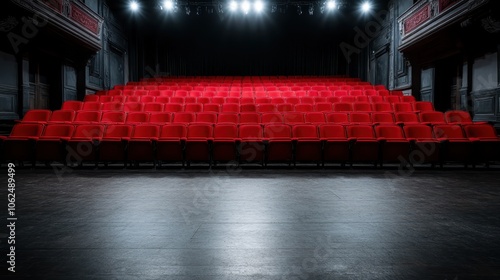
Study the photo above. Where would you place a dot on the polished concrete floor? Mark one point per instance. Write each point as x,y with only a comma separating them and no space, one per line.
255,224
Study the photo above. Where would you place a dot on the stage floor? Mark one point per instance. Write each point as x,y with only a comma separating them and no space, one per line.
254,224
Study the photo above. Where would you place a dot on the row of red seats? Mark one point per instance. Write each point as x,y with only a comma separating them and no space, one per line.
244,100
106,117
255,88
250,107
257,94
269,143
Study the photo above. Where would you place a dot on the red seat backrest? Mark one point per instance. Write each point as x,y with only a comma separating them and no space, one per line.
173,131
273,131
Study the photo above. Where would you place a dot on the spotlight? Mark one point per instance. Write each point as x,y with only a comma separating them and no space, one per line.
311,9
366,7
258,6
233,6
168,5
134,6
245,7
331,4
299,10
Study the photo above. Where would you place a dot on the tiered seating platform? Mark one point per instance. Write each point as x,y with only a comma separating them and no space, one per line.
242,120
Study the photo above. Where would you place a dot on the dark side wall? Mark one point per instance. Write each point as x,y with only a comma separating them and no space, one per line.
53,50
442,51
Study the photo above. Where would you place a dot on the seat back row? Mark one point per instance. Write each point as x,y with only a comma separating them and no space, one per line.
69,116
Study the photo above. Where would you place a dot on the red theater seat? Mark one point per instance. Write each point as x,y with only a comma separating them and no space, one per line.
203,100
114,142
408,98
119,99
72,105
308,146
323,107
183,117
486,142
141,144
392,99
50,145
225,142
137,118
362,107
131,99
337,118
458,117
154,107
112,117
266,108
177,99
382,107
393,144
193,107
163,99
37,116
133,107
87,117
403,107
407,118
348,99
336,145
426,147
424,106
293,100
383,118
228,118
112,106
230,108
252,147
376,99
115,92
104,98
279,146
285,107
306,100
267,118
456,146
432,117
62,116
170,144
83,145
304,108
173,108
147,99
199,138
250,118
364,145
207,117
249,107
342,107
21,142
360,118
292,118
160,118
315,118
362,98
91,98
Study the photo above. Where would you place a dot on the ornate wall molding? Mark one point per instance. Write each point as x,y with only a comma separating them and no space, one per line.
71,17
426,18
